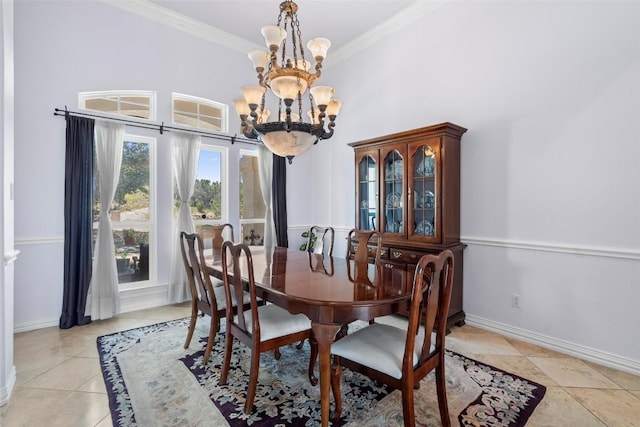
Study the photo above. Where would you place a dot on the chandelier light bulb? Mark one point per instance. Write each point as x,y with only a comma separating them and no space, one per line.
321,94
288,87
273,36
319,47
259,58
242,108
334,107
253,94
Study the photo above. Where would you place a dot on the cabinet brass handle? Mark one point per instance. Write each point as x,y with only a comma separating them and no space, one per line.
388,265
397,254
383,253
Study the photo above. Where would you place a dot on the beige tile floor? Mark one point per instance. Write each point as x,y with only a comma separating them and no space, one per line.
59,382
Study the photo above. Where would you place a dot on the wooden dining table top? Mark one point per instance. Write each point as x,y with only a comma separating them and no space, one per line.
294,279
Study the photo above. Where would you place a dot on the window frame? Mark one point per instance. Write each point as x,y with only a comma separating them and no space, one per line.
151,95
152,224
224,185
243,221
224,110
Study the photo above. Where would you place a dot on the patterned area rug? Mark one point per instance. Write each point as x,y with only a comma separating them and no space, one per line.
152,381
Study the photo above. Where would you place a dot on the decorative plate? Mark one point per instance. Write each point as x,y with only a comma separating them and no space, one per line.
393,227
428,199
394,170
394,200
425,228
426,167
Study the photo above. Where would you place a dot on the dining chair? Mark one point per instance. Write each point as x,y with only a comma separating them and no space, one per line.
213,235
401,358
260,327
363,247
205,298
320,240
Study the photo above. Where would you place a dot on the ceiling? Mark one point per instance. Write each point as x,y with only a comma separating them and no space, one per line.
349,24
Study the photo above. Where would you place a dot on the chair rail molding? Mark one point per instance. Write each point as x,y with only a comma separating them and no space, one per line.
597,251
39,241
561,346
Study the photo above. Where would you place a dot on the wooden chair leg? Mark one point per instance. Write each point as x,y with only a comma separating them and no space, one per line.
192,325
441,389
210,341
253,381
300,344
276,353
336,373
408,410
227,358
312,360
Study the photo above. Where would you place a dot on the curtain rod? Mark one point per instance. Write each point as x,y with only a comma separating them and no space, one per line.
159,127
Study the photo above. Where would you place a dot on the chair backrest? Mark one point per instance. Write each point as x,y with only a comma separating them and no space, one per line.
431,296
200,285
232,257
215,235
321,263
363,247
320,240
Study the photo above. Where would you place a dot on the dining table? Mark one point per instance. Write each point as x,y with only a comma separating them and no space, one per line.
325,289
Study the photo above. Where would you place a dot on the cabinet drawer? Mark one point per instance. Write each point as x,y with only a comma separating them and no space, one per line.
393,264
405,255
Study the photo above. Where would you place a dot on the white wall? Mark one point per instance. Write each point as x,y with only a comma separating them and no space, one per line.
93,46
550,93
550,165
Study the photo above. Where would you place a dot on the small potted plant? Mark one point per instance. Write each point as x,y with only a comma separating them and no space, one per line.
122,262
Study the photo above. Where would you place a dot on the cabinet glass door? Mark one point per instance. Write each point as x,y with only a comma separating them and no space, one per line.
424,192
393,202
368,193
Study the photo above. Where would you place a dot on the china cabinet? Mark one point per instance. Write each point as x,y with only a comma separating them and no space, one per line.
408,188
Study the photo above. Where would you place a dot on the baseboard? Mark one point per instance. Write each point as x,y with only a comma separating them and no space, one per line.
5,391
561,346
144,297
32,325
132,299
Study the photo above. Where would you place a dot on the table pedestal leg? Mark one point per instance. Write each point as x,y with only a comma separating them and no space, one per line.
324,334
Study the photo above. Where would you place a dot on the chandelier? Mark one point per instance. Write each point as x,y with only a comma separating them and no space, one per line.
286,72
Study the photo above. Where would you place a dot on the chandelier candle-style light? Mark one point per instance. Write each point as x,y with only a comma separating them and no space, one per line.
285,71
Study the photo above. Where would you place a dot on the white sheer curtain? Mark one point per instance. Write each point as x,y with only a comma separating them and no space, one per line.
103,300
265,166
186,151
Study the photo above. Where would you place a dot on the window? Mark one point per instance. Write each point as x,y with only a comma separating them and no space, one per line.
132,215
209,191
140,104
200,113
252,207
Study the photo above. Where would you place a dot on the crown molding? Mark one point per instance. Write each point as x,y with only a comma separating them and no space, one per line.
196,28
183,23
396,22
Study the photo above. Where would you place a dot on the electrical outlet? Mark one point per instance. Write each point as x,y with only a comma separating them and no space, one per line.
515,300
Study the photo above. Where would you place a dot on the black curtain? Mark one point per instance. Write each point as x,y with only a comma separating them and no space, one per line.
78,211
279,199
